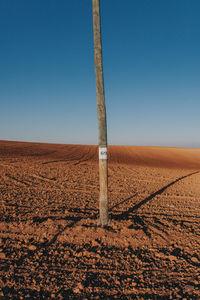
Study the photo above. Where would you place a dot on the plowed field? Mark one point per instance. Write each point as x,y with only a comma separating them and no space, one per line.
51,246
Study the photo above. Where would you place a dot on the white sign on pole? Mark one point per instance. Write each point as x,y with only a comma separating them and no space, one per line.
103,153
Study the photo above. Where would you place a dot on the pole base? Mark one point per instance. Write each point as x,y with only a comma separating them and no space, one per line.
103,224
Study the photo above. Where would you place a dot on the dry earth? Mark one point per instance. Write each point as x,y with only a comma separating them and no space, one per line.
51,247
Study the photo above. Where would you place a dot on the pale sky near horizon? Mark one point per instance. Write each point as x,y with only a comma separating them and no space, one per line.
151,59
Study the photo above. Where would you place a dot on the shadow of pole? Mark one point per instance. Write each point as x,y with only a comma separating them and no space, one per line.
125,214
123,201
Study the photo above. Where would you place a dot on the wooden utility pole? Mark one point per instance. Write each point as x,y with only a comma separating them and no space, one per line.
101,110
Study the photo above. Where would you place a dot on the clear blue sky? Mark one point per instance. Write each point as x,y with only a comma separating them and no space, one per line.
151,56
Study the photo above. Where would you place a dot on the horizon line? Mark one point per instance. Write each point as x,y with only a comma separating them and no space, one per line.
81,144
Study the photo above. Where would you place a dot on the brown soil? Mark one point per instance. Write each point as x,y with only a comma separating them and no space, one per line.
51,247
